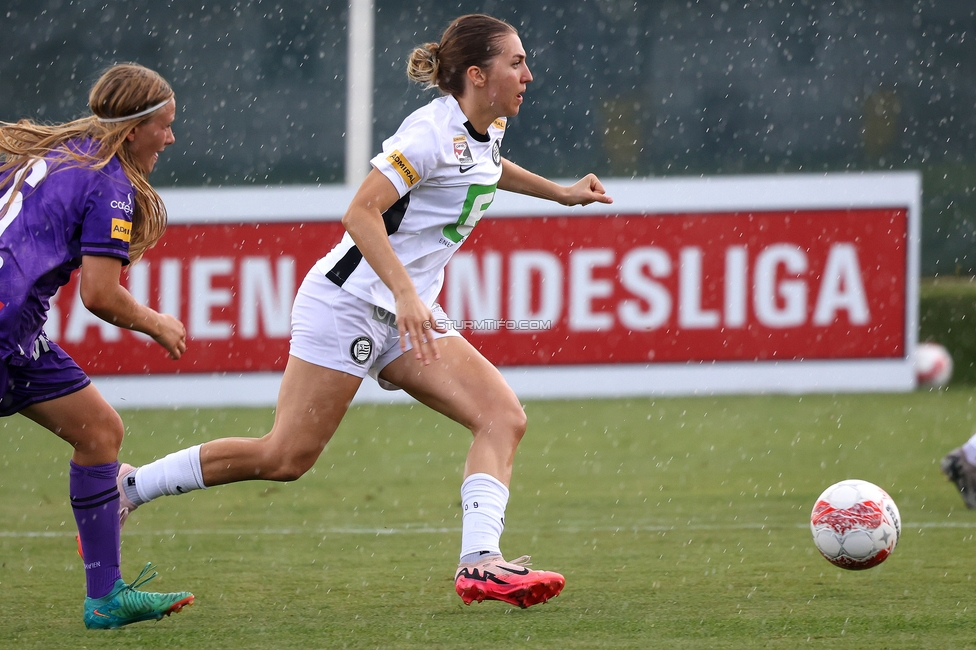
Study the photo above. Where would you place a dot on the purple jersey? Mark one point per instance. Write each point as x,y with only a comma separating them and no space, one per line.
61,212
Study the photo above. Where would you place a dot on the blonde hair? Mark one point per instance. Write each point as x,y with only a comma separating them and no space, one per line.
470,40
124,89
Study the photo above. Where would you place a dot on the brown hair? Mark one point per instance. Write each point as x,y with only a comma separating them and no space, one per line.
124,89
470,40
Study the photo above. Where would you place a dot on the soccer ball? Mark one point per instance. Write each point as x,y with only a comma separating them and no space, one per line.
855,524
933,365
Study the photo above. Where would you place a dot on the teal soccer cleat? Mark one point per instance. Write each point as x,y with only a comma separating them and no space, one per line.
124,605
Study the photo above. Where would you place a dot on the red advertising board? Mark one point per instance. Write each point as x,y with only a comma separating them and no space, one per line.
802,284
232,285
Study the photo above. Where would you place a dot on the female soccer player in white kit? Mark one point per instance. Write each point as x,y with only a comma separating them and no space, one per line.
368,302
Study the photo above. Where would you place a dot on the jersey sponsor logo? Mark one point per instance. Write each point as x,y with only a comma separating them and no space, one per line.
496,152
121,229
123,206
462,151
360,350
404,168
475,203
464,169
499,123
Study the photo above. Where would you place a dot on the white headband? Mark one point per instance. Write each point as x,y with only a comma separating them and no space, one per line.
135,115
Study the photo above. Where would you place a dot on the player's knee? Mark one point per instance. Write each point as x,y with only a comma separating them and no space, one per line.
514,417
292,466
102,437
290,472
519,423
109,433
116,429
505,422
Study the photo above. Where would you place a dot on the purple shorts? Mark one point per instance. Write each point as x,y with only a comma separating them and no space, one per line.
48,374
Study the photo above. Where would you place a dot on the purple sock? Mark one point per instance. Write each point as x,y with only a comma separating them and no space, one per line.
95,501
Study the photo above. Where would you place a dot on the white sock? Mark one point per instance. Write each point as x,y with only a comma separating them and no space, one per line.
969,450
177,473
483,501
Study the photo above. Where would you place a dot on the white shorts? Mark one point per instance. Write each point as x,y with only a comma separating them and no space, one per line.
335,329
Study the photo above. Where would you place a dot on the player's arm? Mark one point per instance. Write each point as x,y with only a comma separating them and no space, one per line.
103,295
364,223
583,192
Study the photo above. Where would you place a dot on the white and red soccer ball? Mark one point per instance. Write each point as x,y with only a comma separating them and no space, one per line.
933,365
855,524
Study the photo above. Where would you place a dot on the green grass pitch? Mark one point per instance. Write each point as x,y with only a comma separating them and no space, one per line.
678,523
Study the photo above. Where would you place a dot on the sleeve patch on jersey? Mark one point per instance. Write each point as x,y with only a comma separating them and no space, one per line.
404,168
121,229
499,123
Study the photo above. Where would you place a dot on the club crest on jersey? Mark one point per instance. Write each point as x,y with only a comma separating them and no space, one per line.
121,229
461,150
360,350
496,152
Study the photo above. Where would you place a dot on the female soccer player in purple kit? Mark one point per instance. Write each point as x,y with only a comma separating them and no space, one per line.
76,195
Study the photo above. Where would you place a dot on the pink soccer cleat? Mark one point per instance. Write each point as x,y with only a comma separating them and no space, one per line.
512,582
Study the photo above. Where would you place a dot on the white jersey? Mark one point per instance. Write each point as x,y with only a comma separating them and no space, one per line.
445,173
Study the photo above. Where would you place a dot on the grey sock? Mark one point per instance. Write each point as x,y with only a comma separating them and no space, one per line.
476,557
129,487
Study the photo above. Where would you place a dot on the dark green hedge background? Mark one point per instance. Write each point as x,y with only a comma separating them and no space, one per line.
947,315
623,88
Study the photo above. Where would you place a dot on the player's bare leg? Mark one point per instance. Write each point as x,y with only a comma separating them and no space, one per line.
85,421
312,401
465,387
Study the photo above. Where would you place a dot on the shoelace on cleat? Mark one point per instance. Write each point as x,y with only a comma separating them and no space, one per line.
140,579
130,601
